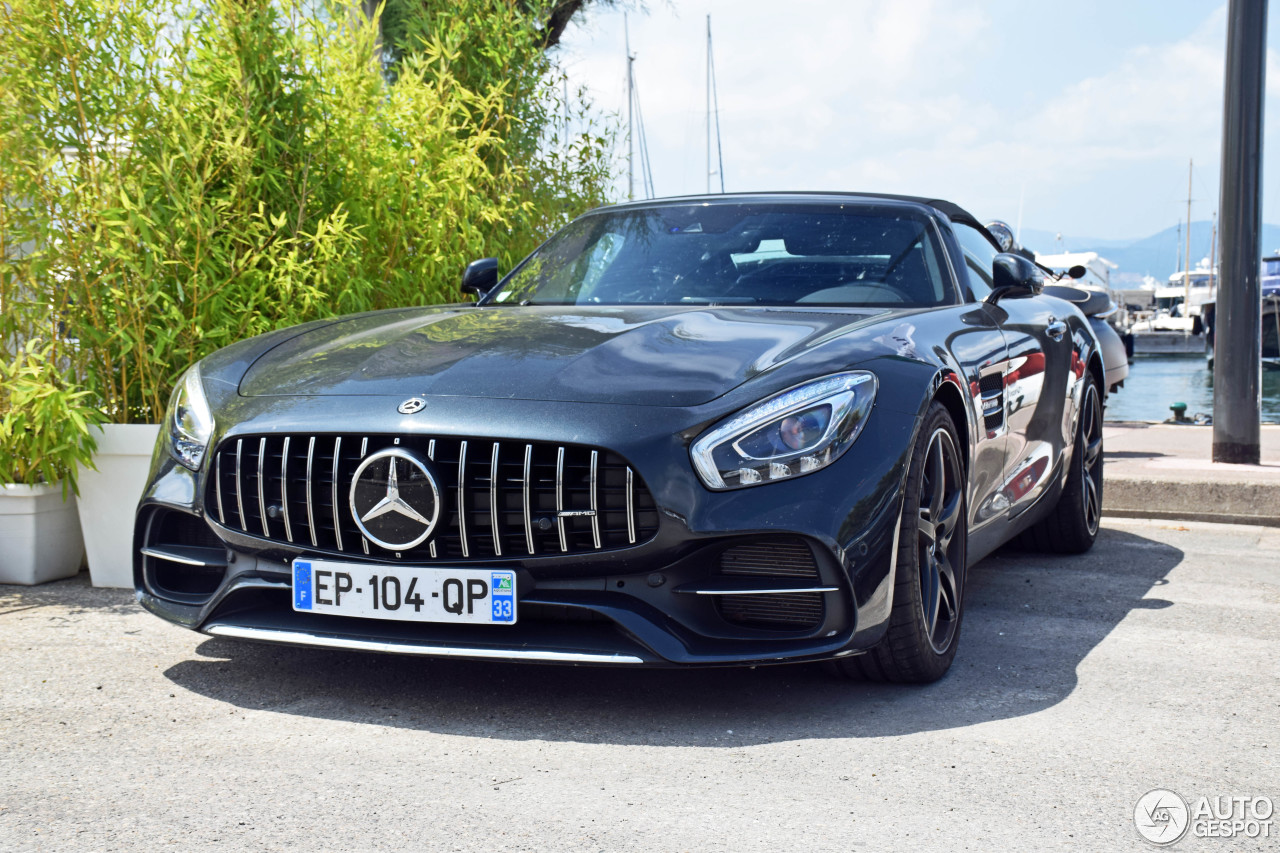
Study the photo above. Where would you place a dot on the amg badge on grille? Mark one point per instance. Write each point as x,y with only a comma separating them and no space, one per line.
394,499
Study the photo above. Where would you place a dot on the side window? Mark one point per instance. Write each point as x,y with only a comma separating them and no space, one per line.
979,256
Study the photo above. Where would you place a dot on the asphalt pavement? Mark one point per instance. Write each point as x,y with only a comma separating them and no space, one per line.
1081,683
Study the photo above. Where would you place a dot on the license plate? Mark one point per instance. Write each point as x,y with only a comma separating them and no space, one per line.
475,596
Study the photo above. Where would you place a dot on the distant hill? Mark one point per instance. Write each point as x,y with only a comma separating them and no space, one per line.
1035,239
1156,255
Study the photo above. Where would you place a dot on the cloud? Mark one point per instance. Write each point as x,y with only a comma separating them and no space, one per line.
889,95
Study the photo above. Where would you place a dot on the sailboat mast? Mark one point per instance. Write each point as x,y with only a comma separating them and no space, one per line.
1186,275
631,145
715,100
708,105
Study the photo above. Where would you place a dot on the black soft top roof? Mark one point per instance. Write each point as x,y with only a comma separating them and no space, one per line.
952,211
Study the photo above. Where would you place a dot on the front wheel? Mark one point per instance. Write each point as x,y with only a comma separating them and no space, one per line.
928,595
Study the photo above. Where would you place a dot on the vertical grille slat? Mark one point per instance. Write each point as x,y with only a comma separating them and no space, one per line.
595,509
564,545
631,508
337,458
284,488
462,499
311,518
525,488
493,500
217,479
262,480
527,498
239,488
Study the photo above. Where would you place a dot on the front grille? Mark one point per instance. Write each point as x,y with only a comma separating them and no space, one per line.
499,498
781,559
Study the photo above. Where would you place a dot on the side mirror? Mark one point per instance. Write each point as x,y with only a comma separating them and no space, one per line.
480,276
1014,276
1077,272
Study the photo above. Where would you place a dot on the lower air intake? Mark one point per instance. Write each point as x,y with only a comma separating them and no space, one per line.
784,560
792,612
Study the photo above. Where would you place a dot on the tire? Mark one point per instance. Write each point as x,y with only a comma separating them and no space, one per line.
1071,527
928,594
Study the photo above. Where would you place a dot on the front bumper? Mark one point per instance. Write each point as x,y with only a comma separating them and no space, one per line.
661,602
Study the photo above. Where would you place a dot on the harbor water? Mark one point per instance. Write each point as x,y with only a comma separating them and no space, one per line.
1157,382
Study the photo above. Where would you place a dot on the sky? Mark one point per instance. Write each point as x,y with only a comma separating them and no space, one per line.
1077,117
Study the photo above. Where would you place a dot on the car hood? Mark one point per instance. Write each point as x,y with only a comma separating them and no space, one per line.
657,356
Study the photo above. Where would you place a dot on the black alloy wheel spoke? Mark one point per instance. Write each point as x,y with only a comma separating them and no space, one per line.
1091,464
930,593
947,588
937,476
949,520
940,516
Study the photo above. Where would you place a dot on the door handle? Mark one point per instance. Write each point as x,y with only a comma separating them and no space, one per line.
1056,329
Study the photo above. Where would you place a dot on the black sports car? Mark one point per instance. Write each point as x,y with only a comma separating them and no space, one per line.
726,430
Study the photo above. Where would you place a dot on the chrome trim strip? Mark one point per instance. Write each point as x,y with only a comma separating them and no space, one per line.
239,487
284,489
564,545
431,450
528,519
631,508
311,519
795,591
595,519
218,629
262,476
893,555
173,557
337,525
365,543
493,500
364,446
431,546
217,476
462,502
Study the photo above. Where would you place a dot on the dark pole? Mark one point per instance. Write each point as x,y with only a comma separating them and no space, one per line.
1237,364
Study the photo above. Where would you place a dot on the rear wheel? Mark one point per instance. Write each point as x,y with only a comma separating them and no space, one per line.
928,596
1072,526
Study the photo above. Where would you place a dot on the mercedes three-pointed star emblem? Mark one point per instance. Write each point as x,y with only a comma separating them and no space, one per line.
390,513
393,502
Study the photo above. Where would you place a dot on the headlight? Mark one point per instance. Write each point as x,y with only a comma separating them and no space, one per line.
189,421
798,431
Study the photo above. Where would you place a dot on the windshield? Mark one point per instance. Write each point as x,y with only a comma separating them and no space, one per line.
750,254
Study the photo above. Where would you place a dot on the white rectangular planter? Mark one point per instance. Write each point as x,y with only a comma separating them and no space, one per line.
109,498
39,534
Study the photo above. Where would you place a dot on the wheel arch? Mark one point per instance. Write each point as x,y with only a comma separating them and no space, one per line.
1099,374
948,392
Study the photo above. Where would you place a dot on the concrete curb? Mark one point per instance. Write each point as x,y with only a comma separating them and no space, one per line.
1224,501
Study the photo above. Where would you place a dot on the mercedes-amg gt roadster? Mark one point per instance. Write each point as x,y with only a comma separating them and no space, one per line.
727,430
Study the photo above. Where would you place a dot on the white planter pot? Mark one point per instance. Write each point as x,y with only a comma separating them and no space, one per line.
39,534
109,498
